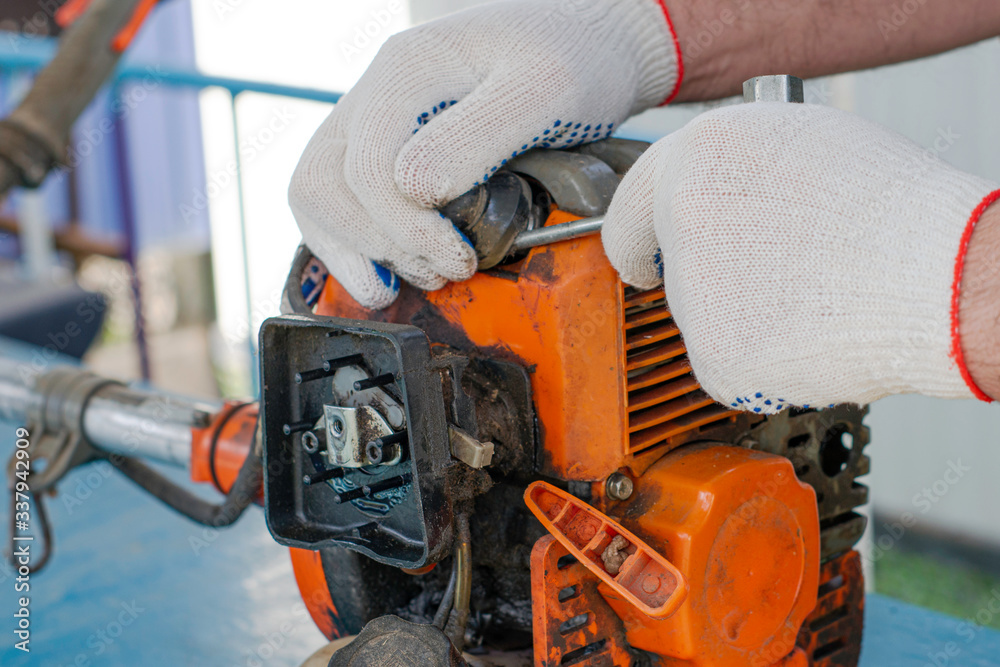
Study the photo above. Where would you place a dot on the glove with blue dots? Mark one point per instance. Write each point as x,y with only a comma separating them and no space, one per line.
808,256
446,104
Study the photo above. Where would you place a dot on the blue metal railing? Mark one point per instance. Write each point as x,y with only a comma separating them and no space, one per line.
32,54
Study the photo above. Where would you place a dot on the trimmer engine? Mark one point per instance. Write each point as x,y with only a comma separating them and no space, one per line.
537,434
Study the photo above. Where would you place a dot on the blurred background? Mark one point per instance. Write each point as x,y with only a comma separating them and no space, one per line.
173,210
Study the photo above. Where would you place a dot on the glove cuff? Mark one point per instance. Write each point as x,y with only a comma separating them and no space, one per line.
650,32
956,291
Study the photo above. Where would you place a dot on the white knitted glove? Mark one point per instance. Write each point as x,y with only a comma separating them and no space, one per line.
809,257
444,105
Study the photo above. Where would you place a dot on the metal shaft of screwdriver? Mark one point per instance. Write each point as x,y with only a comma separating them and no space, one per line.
781,88
554,233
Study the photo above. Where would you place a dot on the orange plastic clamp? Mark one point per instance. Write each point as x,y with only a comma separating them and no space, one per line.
645,578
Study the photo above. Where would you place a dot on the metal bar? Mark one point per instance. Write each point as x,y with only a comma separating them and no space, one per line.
72,239
187,79
555,233
18,397
245,249
130,229
117,418
36,53
122,420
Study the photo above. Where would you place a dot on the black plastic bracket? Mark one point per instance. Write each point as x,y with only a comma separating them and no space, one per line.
399,514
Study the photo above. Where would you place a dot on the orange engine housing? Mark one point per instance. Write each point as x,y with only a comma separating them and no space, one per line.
745,533
613,392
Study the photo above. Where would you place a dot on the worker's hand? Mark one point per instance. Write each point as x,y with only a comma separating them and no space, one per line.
808,256
447,103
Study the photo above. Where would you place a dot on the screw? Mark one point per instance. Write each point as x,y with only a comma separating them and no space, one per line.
329,367
368,489
378,381
391,439
619,486
323,476
295,427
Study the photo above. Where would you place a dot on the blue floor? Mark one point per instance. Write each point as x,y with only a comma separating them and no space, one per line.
132,583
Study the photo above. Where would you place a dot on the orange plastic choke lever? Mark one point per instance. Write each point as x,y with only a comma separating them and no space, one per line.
626,564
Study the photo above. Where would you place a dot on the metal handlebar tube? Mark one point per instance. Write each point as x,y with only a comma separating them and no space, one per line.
114,418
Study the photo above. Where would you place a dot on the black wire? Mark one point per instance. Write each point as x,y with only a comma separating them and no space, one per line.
447,598
241,495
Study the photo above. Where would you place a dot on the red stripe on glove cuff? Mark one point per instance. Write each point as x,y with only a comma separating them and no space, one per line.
956,290
680,56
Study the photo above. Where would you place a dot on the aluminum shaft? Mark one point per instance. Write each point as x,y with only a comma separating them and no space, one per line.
116,418
555,233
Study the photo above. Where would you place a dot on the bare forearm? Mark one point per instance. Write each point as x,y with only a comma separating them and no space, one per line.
725,42
979,304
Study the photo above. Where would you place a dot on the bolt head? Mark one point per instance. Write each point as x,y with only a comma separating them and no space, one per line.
619,486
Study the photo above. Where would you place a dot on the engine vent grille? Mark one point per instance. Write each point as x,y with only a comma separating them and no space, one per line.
664,400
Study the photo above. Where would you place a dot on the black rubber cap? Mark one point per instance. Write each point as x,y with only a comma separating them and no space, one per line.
390,640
